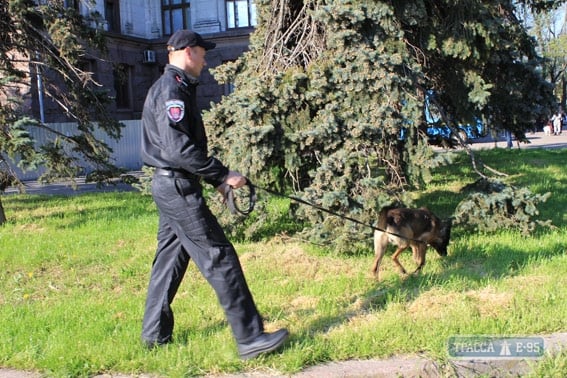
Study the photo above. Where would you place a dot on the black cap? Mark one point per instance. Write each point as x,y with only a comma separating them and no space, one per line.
187,38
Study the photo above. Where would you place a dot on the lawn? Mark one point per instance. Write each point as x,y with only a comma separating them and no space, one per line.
75,270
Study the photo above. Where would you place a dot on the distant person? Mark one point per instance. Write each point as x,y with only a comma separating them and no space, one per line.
556,121
548,128
174,142
508,135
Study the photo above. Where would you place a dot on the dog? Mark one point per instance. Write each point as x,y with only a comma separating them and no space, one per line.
415,228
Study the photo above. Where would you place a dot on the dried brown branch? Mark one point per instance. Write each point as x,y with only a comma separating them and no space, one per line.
294,38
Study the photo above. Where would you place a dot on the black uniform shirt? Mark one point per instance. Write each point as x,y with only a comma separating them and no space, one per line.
173,135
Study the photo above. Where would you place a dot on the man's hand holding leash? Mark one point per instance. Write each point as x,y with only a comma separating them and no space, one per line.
235,180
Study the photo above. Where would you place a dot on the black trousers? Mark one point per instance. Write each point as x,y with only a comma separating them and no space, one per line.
188,230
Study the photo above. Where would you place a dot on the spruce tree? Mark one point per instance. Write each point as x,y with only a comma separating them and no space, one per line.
329,100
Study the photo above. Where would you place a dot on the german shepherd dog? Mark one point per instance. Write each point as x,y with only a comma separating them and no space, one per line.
415,228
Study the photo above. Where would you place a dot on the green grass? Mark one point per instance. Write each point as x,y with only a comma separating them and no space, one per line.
75,270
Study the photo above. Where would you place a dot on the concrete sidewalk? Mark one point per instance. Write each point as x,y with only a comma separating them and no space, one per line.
536,140
66,187
394,366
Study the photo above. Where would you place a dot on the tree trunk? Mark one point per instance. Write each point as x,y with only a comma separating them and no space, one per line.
2,214
563,91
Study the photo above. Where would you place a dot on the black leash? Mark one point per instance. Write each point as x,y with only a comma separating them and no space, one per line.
234,209
231,203
323,209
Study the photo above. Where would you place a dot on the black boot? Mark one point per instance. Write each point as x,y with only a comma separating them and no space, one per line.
265,343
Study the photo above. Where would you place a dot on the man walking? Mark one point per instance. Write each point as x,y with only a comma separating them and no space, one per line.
175,143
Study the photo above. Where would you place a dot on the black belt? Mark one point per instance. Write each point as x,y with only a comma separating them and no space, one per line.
174,173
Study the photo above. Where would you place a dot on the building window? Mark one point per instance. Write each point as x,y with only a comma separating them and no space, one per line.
75,4
176,15
123,86
240,13
112,15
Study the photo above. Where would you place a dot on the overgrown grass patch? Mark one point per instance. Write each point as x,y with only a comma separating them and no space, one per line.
75,270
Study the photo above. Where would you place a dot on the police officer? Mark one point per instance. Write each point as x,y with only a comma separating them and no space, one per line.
175,143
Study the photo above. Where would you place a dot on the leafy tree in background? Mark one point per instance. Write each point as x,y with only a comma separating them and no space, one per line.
550,30
327,87
51,41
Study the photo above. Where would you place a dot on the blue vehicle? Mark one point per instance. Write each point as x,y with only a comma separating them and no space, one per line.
438,132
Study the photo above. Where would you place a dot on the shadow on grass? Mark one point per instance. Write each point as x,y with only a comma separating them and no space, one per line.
540,170
469,267
441,202
185,335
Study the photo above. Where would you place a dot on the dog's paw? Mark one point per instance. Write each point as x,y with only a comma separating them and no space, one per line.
416,272
375,276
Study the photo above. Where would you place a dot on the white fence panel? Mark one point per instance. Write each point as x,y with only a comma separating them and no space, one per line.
125,152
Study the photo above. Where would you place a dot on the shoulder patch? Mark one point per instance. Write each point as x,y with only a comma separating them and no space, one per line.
175,110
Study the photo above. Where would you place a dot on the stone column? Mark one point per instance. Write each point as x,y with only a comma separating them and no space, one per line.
205,16
153,19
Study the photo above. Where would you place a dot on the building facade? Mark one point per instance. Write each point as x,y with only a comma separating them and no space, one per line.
137,31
